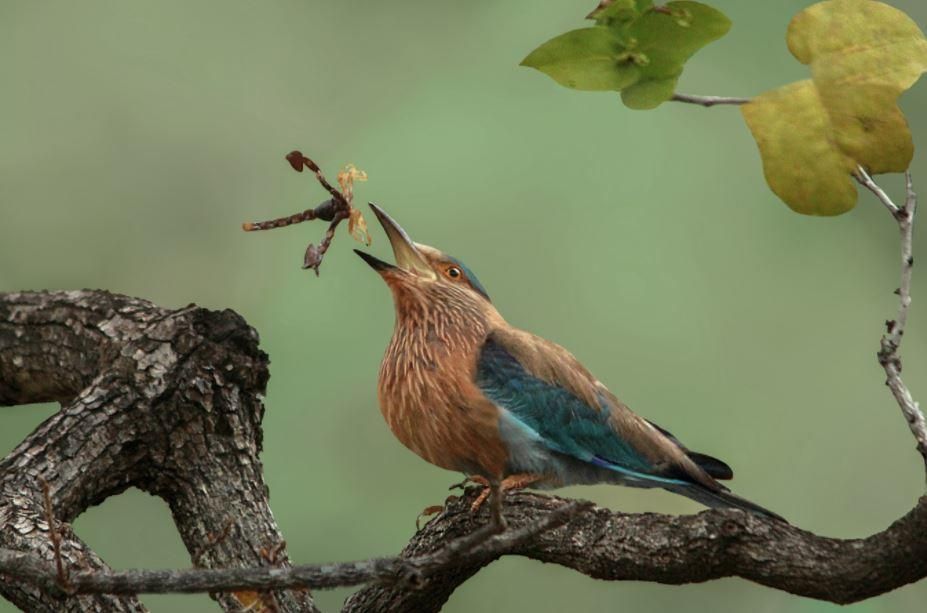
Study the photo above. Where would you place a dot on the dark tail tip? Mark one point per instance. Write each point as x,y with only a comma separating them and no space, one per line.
722,499
713,466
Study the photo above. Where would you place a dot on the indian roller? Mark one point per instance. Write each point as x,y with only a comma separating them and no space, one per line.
470,393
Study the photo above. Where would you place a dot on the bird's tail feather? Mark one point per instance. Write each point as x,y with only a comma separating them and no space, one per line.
722,499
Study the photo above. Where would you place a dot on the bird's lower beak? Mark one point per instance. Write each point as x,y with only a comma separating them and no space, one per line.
408,257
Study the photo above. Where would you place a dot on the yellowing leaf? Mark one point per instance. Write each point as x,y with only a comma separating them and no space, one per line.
862,54
801,165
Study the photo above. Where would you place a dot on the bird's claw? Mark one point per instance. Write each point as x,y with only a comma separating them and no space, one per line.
510,483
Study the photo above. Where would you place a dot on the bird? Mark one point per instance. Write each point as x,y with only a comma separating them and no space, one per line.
468,392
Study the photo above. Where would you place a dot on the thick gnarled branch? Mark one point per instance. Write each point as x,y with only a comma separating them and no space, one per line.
165,401
678,550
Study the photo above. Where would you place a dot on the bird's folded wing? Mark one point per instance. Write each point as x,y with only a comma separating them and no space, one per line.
550,393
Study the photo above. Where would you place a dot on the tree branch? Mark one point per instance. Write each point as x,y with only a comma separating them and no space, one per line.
165,401
890,344
677,550
708,101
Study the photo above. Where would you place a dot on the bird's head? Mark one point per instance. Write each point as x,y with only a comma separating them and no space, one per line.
423,273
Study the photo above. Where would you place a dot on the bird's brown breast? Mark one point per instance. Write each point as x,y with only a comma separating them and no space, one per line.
429,399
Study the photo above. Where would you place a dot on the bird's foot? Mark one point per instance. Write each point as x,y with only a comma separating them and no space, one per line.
513,482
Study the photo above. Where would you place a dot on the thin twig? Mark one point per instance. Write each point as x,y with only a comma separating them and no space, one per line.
708,101
486,543
863,178
325,212
478,545
54,535
890,344
213,540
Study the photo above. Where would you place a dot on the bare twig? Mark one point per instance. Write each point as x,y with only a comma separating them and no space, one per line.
54,535
890,344
215,539
484,544
708,101
325,212
863,178
479,545
335,210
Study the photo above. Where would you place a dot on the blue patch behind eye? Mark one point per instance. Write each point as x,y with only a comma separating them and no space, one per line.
472,277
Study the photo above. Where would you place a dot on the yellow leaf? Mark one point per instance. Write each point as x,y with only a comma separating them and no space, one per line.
862,54
801,166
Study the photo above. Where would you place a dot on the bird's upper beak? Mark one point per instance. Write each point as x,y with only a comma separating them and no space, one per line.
408,257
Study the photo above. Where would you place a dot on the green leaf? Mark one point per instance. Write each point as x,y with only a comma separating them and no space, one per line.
862,54
648,94
668,40
591,59
641,52
619,11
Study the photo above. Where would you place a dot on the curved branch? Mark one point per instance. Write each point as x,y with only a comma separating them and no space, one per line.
676,550
165,401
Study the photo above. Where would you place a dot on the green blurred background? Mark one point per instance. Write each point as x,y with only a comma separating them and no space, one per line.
136,137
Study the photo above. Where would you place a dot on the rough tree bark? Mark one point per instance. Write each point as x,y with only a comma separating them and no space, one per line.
165,401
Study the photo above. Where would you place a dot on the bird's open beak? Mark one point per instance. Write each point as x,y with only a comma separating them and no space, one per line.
408,257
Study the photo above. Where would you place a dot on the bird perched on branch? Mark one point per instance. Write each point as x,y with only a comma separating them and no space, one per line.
468,392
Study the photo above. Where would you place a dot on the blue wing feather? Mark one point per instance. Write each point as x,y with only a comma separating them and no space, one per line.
556,418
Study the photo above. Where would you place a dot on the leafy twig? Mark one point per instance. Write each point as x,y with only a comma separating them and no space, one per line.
891,340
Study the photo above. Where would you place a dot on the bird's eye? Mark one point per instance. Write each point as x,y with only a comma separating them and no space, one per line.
453,272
